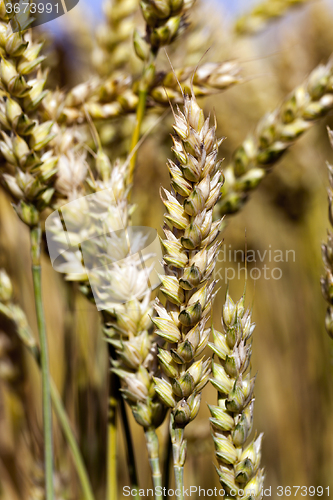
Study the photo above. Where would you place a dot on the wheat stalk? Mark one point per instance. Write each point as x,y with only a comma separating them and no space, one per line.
28,166
274,134
232,418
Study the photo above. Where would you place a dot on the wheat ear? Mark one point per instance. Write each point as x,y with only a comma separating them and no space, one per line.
232,418
275,133
118,95
190,254
264,13
114,37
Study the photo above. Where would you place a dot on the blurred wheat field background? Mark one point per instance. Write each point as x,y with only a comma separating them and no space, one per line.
292,353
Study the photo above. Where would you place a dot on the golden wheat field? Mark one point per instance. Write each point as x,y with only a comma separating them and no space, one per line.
166,249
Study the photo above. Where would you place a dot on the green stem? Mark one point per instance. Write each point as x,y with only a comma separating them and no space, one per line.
129,449
166,466
68,432
140,113
69,435
35,236
27,338
144,86
179,455
179,480
154,460
112,486
117,399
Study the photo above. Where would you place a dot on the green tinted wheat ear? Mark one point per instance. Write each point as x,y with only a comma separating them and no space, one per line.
9,372
190,254
127,329
231,421
134,361
165,20
264,13
327,253
275,133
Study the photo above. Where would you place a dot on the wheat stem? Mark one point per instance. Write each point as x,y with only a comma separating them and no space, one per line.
112,486
35,234
129,449
140,113
15,314
154,460
68,432
179,452
166,466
